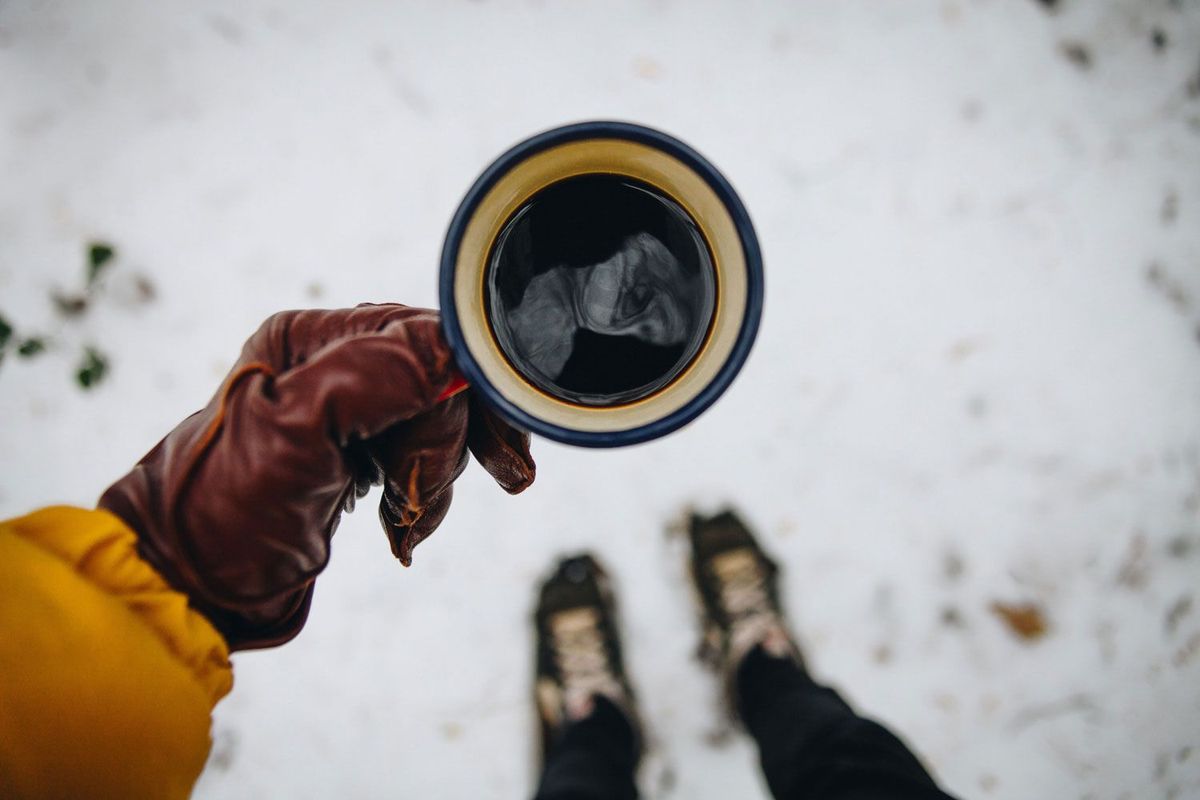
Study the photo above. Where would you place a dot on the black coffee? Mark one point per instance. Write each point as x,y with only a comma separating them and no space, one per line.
600,290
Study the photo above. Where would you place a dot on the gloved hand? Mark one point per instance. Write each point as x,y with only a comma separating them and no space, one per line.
236,506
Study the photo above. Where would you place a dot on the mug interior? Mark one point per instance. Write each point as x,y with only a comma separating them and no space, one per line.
600,290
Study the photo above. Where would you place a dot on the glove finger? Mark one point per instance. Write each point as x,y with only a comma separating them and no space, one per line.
405,538
500,448
419,460
291,338
363,385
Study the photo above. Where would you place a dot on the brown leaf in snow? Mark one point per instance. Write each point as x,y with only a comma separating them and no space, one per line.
1026,620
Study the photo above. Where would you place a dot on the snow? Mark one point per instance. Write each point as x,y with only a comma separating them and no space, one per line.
977,380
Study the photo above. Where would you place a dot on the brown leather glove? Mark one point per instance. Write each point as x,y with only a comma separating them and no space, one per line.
237,505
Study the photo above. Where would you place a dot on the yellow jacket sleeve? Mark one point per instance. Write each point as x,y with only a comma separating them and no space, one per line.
107,677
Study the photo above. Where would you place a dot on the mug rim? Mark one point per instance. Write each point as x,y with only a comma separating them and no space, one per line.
751,315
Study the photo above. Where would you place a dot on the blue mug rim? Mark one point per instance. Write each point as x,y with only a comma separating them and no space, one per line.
607,129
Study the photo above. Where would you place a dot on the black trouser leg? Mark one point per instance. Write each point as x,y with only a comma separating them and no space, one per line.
812,745
594,760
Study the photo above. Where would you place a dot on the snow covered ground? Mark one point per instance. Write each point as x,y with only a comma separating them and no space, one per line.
977,380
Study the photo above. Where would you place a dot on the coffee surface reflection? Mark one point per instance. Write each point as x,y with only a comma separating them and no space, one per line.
600,290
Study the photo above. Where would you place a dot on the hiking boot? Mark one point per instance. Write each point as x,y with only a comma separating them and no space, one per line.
737,586
578,649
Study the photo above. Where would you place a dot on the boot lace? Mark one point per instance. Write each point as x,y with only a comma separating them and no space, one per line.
741,582
582,658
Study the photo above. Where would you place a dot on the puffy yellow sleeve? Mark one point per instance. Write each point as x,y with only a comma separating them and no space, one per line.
107,677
